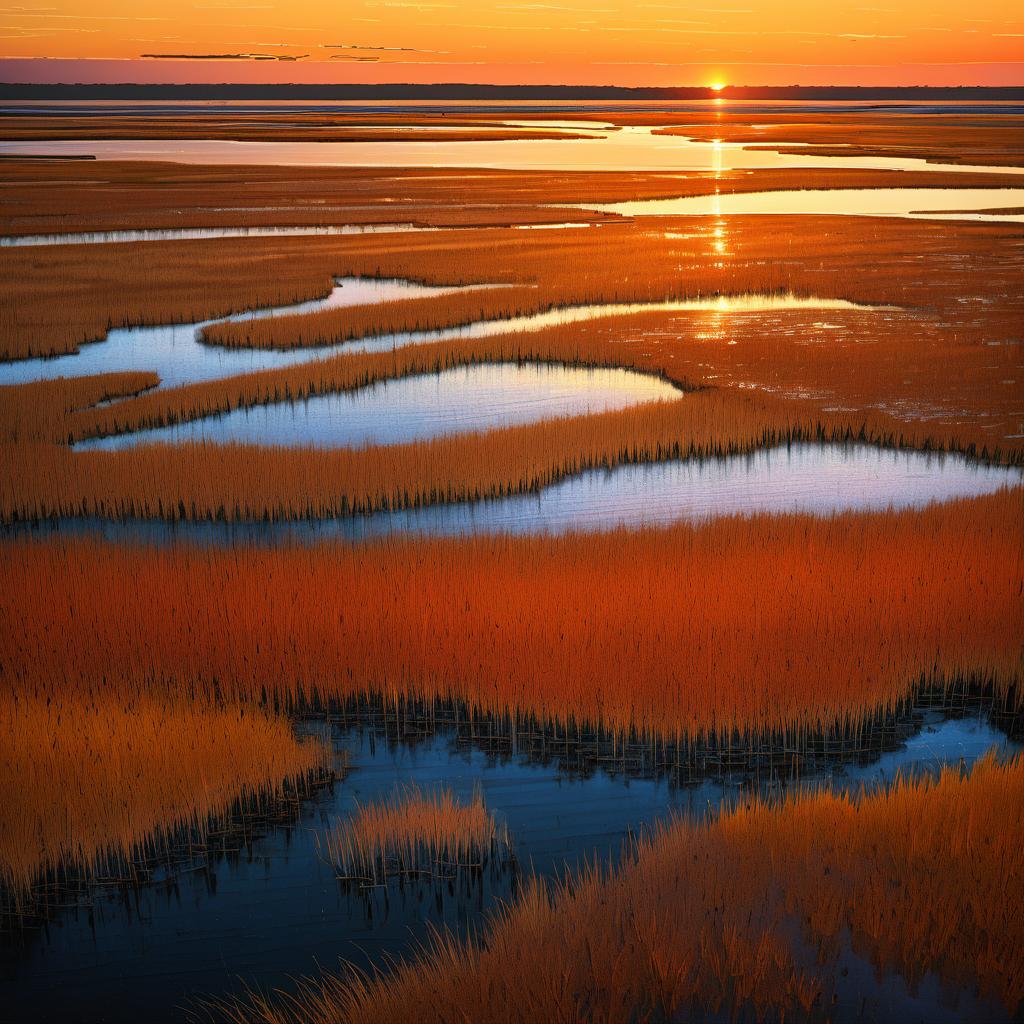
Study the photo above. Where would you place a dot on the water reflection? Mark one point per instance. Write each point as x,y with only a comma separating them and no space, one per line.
609,147
267,908
480,397
176,354
810,478
916,203
179,234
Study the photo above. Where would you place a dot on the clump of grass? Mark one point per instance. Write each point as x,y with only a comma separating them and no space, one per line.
414,834
91,784
753,914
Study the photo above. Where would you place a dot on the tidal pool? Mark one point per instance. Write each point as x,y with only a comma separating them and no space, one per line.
271,910
915,203
605,147
482,397
815,479
177,355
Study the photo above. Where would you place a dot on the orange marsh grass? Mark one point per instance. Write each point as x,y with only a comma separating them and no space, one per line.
413,833
749,915
202,481
96,195
758,625
89,782
54,299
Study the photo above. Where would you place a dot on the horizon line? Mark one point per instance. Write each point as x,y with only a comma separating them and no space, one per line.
712,91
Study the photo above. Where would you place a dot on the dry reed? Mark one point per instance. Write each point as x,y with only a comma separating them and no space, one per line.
754,626
756,915
88,783
413,833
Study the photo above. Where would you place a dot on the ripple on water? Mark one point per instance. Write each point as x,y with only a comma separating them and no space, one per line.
175,353
814,479
482,397
916,203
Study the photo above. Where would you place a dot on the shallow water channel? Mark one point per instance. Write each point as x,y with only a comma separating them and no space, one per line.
914,203
266,908
817,479
603,147
176,353
482,397
299,230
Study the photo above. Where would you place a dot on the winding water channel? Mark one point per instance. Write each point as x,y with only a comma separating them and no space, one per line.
418,408
123,236
814,479
265,907
178,355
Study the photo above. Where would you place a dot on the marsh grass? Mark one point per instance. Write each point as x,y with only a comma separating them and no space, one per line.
54,302
67,196
789,623
236,483
96,789
752,914
415,835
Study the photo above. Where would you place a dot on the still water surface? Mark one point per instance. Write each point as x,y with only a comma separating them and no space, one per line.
605,147
274,910
485,397
815,479
914,203
176,353
285,231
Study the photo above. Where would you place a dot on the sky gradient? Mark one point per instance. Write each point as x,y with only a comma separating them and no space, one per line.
651,42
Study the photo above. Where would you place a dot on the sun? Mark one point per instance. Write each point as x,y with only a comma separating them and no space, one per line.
716,86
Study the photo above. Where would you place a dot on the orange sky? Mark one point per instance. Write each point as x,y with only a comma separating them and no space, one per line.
649,42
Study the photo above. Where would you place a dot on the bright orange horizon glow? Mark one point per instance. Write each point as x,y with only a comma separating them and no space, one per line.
755,42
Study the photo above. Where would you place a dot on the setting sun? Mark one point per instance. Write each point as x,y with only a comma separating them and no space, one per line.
717,86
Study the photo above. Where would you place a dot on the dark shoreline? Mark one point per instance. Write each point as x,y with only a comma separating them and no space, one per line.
457,91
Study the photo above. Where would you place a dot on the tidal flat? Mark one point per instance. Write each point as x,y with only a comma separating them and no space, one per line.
511,562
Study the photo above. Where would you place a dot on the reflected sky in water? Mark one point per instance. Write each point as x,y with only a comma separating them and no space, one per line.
809,478
417,408
918,203
256,231
631,147
275,912
175,353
